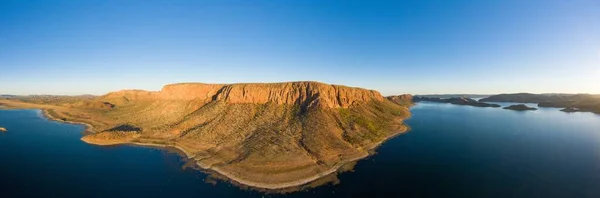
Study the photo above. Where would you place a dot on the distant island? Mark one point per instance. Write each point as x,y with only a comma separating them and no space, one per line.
569,102
456,101
3,129
520,107
454,95
263,135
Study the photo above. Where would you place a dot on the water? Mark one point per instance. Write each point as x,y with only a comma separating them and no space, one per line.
451,151
41,158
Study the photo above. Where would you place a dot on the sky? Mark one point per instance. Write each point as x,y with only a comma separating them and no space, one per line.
395,47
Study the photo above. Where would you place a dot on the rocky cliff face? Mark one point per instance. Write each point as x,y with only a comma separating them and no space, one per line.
310,94
298,93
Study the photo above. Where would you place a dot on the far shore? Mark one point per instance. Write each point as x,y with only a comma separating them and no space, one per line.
268,186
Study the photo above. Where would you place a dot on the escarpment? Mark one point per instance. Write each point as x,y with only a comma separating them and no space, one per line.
292,93
299,93
270,135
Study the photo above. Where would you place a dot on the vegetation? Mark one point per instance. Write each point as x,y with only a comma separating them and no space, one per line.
268,135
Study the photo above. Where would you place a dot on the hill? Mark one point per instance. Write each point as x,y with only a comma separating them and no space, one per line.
269,136
404,100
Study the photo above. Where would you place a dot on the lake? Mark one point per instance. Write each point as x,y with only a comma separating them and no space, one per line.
451,151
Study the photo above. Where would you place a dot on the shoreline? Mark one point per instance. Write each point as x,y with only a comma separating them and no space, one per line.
308,180
279,186
88,127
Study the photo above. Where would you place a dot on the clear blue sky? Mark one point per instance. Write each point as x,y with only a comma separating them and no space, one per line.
418,47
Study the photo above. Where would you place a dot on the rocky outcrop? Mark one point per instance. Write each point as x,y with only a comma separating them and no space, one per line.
292,93
520,107
298,93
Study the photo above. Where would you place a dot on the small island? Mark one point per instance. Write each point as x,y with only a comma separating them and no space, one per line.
3,129
520,107
571,109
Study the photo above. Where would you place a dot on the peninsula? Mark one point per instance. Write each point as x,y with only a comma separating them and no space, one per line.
263,135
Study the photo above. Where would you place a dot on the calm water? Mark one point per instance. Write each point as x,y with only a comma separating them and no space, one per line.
452,151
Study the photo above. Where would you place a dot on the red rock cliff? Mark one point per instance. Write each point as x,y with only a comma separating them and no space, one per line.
301,93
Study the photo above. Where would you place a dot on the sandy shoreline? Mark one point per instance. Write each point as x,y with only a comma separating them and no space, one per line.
267,186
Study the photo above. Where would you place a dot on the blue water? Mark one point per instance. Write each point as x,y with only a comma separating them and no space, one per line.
451,151
41,158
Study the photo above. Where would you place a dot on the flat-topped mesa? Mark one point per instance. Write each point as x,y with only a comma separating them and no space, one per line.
309,94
